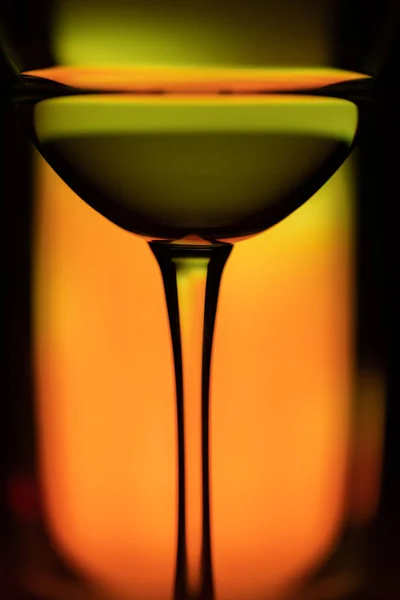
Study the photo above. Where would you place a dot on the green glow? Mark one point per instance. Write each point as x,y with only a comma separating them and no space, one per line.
199,32
77,116
189,267
195,162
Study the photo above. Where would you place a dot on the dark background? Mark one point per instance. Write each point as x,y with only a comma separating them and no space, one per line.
16,379
378,235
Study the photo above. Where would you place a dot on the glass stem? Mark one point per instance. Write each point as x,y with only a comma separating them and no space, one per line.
191,276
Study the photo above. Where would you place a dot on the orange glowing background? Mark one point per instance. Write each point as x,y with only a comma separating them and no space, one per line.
280,398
